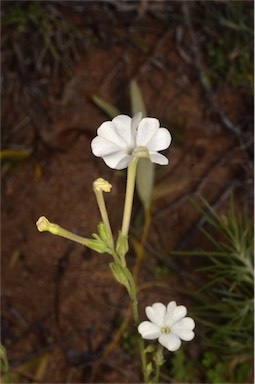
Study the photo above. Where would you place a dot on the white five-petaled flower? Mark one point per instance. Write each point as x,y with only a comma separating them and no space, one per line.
118,139
167,324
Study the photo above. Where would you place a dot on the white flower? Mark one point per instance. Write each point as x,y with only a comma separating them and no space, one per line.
118,139
167,324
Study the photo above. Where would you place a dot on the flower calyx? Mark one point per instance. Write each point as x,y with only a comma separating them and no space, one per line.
102,242
141,152
122,247
121,275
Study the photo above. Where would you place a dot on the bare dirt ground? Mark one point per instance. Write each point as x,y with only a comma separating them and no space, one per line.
59,300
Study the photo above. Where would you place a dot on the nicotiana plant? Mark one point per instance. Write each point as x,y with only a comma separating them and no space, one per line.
122,143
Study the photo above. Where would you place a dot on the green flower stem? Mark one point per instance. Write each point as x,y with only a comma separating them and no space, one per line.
134,301
159,360
103,212
71,236
131,173
157,374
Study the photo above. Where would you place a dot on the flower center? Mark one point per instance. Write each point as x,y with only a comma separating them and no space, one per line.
165,330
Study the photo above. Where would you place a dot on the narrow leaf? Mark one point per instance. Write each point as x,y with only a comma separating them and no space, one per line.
145,181
145,168
137,103
16,154
106,107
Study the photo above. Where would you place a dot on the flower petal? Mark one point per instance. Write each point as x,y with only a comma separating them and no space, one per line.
184,334
156,314
123,127
157,158
149,331
124,162
170,341
179,313
160,141
135,122
118,160
109,131
146,130
184,328
170,313
102,147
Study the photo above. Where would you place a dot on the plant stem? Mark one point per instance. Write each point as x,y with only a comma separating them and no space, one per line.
131,175
129,196
103,212
140,340
157,374
159,360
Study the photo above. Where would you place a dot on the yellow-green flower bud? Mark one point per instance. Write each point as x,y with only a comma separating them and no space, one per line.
43,224
102,185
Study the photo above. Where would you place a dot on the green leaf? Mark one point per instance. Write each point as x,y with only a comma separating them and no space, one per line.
42,368
137,103
145,168
106,107
145,181
15,154
3,359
